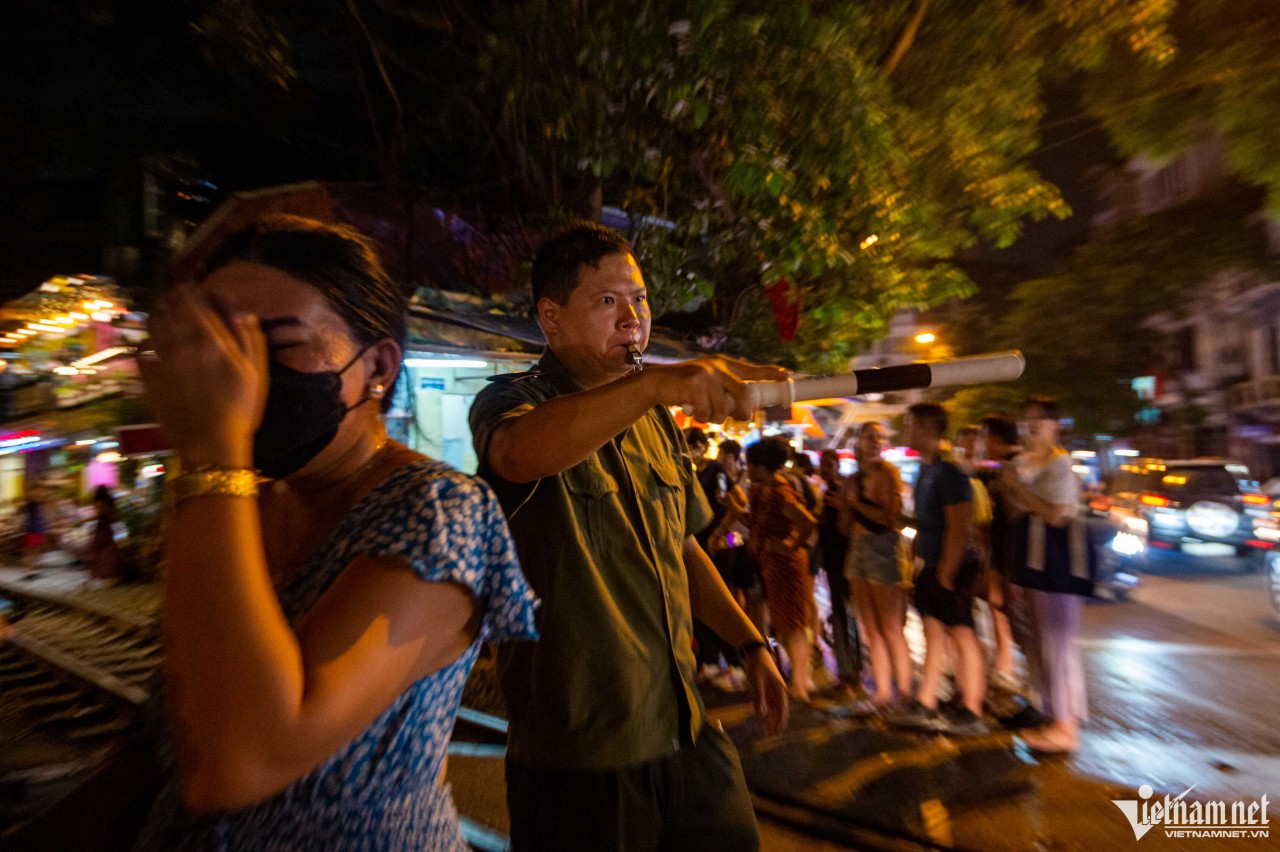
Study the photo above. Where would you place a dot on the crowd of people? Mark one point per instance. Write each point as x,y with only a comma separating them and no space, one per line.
978,500
328,590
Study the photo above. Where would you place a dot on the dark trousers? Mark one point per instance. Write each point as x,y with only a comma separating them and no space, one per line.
844,626
695,799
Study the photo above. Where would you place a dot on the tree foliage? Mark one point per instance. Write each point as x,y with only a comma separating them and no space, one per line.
850,149
1219,74
1083,329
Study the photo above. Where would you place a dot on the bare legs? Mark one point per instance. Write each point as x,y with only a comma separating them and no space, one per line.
1000,627
882,612
967,664
970,667
800,652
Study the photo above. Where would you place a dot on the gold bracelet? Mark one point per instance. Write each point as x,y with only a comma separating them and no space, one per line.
230,482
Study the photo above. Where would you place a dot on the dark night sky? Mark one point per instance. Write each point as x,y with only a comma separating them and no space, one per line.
79,102
1071,146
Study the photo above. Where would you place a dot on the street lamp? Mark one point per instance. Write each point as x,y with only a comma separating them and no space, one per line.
924,338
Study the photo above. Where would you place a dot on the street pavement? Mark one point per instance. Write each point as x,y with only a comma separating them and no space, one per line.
1183,687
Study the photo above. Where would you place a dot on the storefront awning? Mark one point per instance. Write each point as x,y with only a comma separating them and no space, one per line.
491,333
91,420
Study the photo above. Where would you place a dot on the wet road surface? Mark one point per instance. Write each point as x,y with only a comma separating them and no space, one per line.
1184,684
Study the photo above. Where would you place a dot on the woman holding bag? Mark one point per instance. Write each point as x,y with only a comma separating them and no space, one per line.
1044,488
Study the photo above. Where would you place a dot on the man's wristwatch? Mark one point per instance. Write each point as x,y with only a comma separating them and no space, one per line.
747,647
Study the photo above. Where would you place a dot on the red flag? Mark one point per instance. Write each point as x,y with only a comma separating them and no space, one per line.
786,308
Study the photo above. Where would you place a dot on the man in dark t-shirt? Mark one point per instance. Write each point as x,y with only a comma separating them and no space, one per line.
943,594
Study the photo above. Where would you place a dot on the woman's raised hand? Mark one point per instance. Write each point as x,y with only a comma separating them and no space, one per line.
206,379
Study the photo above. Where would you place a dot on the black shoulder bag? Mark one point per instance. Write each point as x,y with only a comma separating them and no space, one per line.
1053,559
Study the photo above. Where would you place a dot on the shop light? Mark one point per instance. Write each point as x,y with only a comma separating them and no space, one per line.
66,371
18,440
63,320
86,442
52,329
457,363
101,316
76,315
99,356
109,457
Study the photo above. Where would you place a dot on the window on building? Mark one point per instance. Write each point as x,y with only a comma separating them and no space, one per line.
1144,387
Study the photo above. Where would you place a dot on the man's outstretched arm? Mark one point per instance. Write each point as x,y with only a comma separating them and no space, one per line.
557,434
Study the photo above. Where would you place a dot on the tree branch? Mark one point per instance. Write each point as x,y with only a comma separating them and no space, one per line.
399,133
906,39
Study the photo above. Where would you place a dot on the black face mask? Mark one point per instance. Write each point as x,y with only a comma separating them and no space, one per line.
302,415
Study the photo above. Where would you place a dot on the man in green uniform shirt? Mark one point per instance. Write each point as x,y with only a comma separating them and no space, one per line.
608,744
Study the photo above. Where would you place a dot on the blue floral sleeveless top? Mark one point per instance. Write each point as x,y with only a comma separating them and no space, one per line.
379,792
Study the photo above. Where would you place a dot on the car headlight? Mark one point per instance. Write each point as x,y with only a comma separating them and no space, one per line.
1126,544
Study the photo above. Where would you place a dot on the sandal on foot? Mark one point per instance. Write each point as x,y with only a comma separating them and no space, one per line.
1048,742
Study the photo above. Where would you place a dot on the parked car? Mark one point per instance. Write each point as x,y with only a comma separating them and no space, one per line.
1170,509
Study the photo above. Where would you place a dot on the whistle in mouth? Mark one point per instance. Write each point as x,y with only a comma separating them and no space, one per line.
634,357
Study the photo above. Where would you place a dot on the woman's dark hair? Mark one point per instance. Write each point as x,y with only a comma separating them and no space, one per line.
102,494
559,260
1048,406
338,261
769,453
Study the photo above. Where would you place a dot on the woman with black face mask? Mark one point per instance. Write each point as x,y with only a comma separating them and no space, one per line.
327,588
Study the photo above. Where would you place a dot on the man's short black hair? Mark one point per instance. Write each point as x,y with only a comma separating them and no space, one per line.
730,447
932,414
1002,425
559,261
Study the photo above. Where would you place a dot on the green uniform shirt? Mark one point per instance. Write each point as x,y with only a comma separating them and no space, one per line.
610,682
